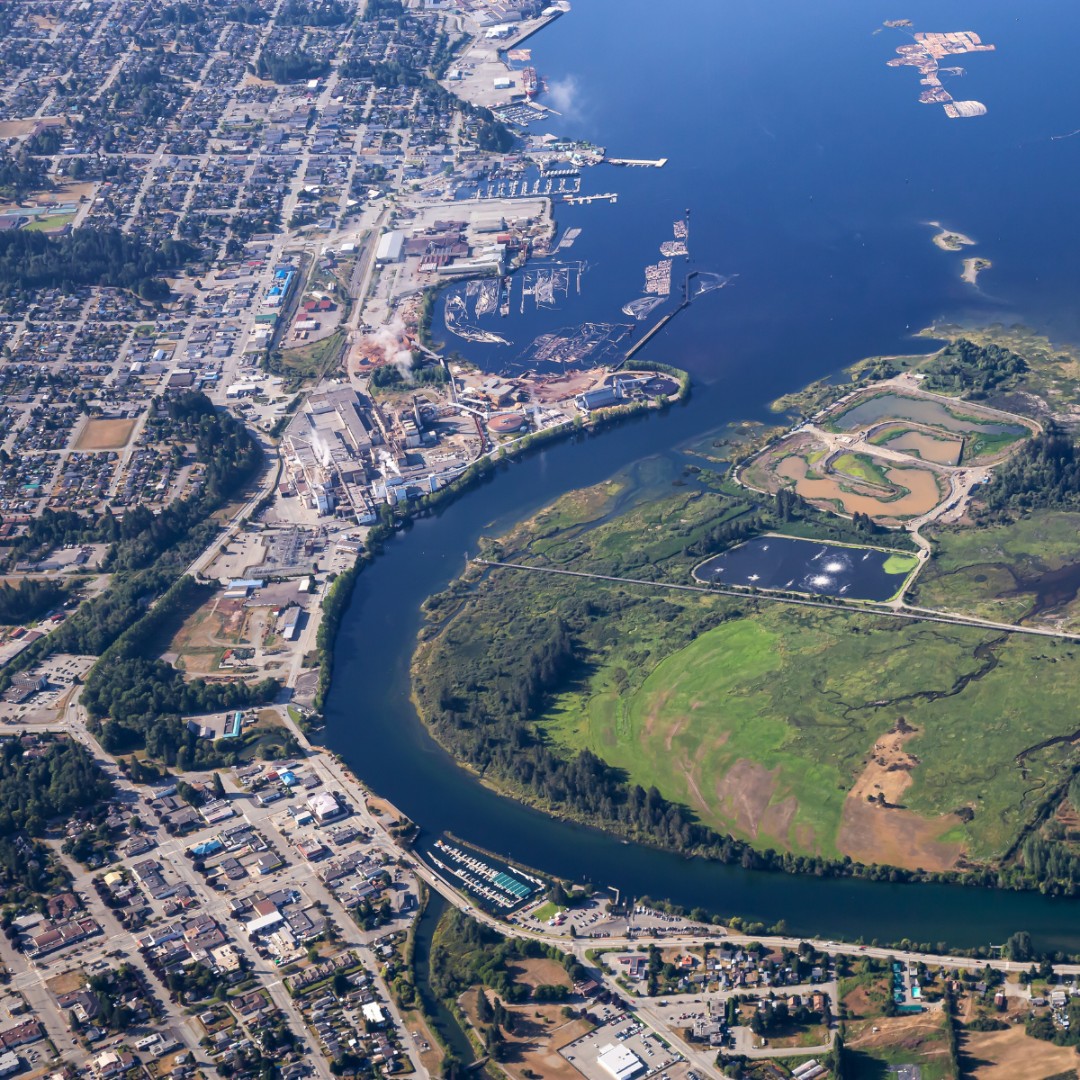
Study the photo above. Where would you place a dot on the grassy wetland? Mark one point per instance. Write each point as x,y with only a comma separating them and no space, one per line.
817,737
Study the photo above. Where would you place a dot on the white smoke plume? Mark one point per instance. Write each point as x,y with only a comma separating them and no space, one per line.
390,339
563,96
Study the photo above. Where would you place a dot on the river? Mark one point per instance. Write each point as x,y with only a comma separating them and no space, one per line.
811,169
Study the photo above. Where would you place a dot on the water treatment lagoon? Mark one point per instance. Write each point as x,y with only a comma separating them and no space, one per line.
809,566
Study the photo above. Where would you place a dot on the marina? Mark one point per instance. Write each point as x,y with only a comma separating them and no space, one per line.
580,200
499,887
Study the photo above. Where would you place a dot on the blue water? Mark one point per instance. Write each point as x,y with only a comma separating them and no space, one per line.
806,566
811,170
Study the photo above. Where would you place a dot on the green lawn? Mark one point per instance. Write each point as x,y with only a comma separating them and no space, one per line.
977,447
900,564
49,223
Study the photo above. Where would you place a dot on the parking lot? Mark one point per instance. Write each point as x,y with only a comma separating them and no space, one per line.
624,1031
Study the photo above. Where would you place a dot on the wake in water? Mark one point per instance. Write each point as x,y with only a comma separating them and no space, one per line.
705,282
640,308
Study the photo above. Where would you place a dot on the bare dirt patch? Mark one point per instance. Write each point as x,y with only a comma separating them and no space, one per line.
656,709
67,982
905,1032
105,434
876,828
778,818
540,1032
1013,1055
539,972
745,792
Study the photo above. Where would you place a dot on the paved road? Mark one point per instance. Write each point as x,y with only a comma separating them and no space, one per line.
860,608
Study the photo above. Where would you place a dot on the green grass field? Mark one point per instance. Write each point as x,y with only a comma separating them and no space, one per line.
862,467
49,223
762,717
794,701
988,447
900,564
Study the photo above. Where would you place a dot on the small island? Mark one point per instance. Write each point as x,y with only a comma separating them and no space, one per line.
973,267
948,240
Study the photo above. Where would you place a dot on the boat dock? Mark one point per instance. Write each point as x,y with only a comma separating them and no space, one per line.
643,163
607,196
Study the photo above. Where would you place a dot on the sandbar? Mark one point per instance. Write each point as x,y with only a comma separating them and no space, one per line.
974,267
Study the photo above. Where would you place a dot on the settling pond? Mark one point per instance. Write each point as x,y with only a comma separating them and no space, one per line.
923,411
809,566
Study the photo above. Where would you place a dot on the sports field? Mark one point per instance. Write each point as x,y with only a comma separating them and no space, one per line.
105,434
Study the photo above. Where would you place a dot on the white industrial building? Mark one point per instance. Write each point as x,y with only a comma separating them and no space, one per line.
619,1062
324,807
391,246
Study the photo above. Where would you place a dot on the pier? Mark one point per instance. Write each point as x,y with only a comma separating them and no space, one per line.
643,163
654,330
607,196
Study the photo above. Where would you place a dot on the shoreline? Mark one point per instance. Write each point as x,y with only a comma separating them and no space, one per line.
336,601
973,267
946,240
950,239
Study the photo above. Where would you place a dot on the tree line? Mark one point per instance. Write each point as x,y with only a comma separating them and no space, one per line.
973,370
1044,474
29,600
103,256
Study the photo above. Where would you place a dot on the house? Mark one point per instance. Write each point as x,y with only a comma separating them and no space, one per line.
110,1063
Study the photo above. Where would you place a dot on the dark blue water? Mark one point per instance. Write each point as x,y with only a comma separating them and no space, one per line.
811,169
806,566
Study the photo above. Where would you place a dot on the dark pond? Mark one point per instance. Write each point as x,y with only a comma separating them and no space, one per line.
809,566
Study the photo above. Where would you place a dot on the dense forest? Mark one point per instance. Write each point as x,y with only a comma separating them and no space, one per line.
973,370
1044,474
21,174
317,13
35,787
291,67
87,256
30,600
374,10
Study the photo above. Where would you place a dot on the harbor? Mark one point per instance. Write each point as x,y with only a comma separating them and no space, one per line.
498,887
